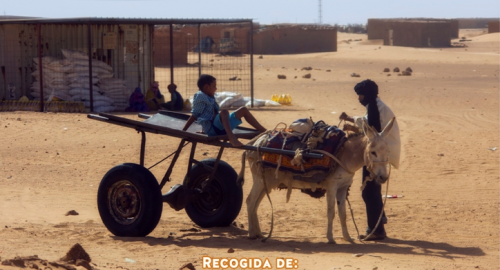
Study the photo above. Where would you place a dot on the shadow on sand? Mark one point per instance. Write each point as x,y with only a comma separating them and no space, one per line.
232,237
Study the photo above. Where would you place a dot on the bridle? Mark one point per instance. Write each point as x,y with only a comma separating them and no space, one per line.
369,168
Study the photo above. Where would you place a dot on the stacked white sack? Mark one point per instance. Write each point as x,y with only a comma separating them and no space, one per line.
55,80
231,99
78,76
115,88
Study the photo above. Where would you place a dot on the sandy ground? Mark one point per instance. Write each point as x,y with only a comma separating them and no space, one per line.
448,113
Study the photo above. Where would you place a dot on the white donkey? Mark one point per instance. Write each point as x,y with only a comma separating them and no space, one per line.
370,150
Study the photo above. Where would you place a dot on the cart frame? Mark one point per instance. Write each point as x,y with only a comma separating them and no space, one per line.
129,196
189,136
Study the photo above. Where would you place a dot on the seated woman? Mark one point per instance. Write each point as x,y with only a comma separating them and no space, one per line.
154,98
137,102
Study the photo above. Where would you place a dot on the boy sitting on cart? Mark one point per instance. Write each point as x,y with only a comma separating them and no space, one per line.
206,112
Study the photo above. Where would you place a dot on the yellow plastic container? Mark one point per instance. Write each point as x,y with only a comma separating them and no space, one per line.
288,99
281,99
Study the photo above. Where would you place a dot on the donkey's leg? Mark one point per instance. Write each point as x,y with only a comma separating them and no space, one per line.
253,201
330,200
341,198
257,222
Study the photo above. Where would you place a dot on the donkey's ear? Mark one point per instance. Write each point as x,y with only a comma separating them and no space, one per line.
368,131
388,128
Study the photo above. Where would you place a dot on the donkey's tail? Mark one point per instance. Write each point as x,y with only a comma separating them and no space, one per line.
241,176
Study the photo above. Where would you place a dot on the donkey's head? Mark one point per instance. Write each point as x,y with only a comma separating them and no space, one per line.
376,154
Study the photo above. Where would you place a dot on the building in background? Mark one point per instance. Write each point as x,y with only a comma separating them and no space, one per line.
418,34
377,28
267,39
162,47
474,23
293,39
494,26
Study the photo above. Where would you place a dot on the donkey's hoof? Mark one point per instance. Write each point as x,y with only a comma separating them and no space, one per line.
332,242
256,236
349,239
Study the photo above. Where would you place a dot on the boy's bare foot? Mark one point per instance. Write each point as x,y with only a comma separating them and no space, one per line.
236,143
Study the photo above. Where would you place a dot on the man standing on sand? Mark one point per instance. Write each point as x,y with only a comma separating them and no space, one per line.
377,115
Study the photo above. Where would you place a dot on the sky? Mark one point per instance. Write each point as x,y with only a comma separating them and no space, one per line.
262,11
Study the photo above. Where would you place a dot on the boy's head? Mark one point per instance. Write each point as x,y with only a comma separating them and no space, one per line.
367,90
172,88
207,84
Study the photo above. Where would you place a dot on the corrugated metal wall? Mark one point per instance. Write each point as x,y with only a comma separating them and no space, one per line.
130,57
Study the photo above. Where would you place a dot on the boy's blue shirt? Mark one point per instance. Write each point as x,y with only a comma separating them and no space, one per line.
205,108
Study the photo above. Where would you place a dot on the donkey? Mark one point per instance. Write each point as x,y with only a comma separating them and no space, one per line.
370,150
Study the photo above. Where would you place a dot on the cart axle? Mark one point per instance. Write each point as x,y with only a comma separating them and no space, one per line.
179,196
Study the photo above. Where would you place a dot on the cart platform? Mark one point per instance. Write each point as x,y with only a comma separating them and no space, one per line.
171,124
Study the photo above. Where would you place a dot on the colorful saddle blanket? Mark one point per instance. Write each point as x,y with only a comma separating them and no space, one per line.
333,139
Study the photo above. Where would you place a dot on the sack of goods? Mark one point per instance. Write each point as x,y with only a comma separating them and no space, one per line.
54,78
78,74
115,88
235,100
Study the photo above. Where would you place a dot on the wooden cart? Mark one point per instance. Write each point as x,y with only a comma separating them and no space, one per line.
130,200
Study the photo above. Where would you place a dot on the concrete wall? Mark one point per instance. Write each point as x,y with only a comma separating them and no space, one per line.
474,22
377,28
436,34
493,26
295,39
270,40
240,32
421,34
454,29
162,47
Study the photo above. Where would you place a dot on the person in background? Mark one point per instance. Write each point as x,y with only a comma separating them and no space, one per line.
154,98
378,114
176,102
136,102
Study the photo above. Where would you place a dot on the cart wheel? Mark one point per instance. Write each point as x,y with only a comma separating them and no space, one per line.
129,200
220,203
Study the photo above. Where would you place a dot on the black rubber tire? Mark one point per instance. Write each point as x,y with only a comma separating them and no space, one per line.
129,200
221,204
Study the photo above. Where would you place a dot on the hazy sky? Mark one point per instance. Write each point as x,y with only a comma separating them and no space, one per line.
262,11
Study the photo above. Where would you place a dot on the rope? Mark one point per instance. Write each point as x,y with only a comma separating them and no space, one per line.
167,157
334,158
352,214
267,193
285,135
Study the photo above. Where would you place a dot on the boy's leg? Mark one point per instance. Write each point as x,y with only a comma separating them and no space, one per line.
243,112
224,119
